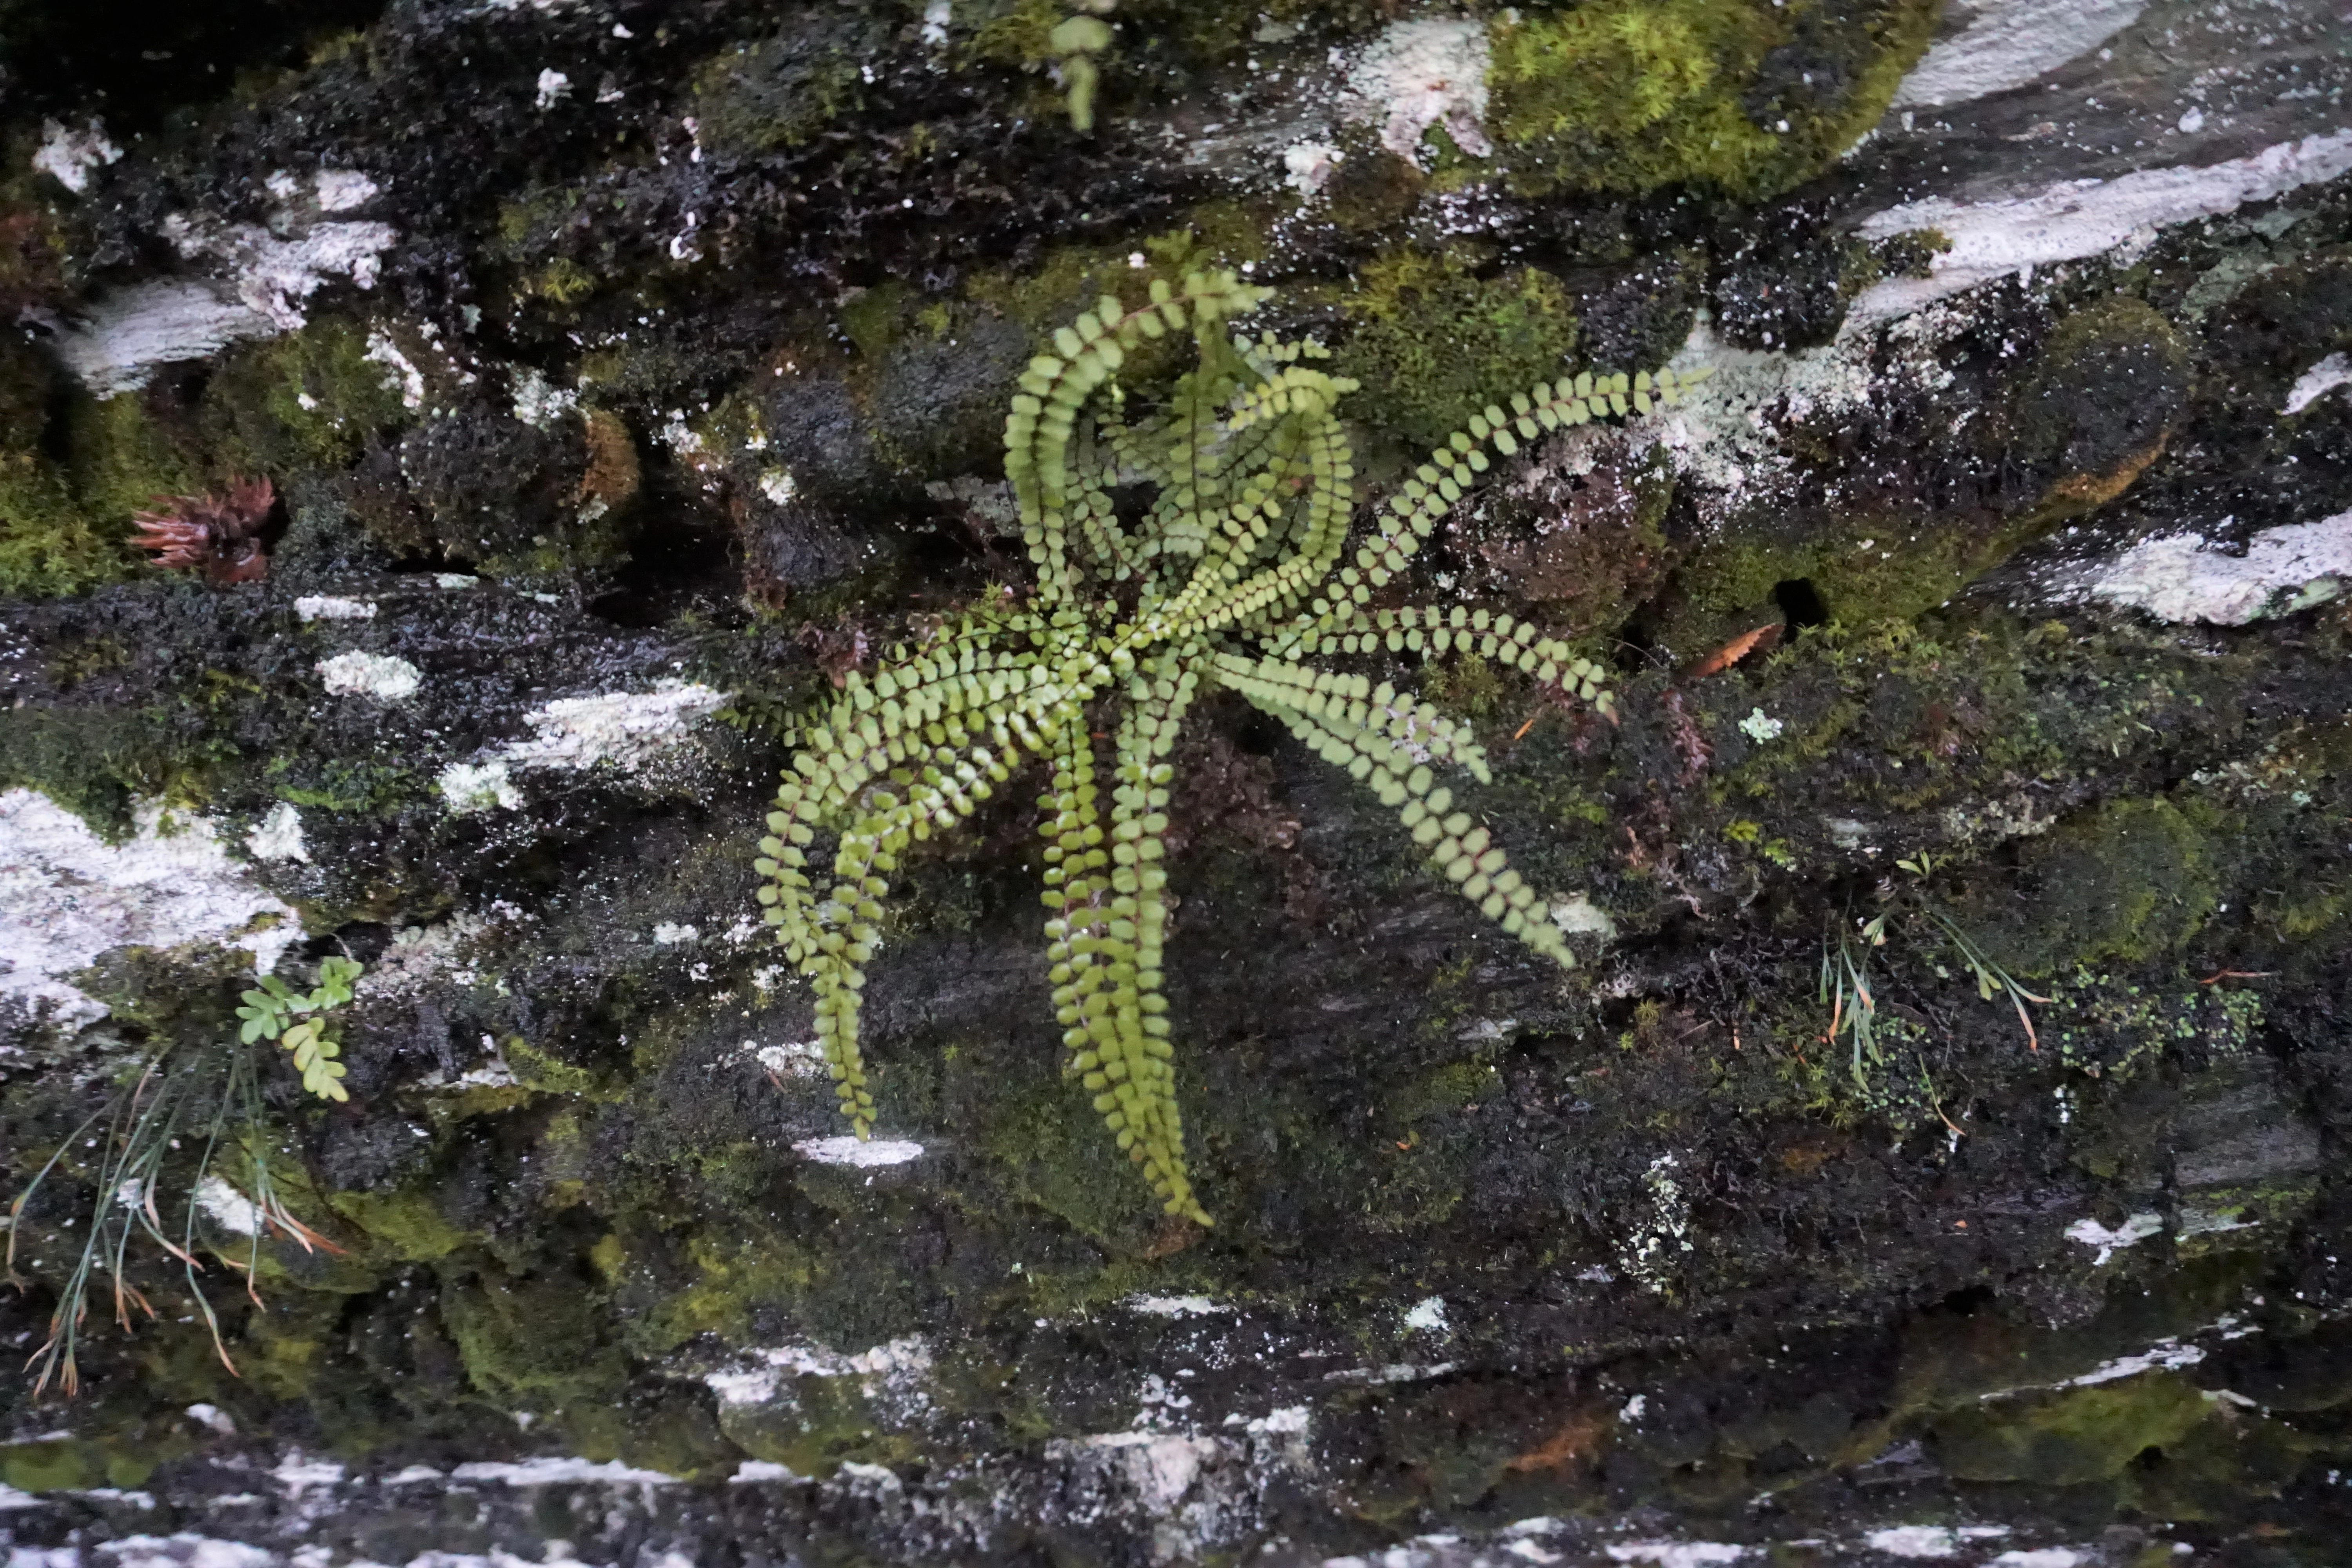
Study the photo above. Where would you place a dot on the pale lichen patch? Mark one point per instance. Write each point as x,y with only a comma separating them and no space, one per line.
67,895
2185,578
70,157
383,677
1421,74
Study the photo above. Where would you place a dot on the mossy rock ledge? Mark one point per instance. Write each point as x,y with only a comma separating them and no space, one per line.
1930,1156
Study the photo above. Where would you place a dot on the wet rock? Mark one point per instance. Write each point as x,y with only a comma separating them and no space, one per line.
670,403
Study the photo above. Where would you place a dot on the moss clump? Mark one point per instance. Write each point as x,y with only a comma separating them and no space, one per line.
1372,189
1436,343
536,1337
408,1224
95,762
63,518
732,1282
2113,1028
68,1464
1052,1156
121,456
2066,1440
307,400
2100,405
2134,880
1747,96
780,92
1217,234
73,467
815,1425
48,544
1863,569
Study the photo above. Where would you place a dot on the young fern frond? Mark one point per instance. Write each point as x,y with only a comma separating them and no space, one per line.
1232,576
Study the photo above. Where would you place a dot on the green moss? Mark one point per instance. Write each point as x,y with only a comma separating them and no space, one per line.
816,1425
1435,344
63,523
781,91
95,763
1450,1088
732,1279
2114,1027
1745,96
1217,234
537,1338
54,1465
305,401
2100,405
361,785
72,1464
672,1432
1467,685
562,281
1017,35
1864,569
1372,190
48,544
407,1223
121,459
1053,1155
73,471
876,317
535,1069
2068,1438
2134,880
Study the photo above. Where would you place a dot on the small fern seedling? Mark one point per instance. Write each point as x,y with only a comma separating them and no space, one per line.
265,1013
1232,577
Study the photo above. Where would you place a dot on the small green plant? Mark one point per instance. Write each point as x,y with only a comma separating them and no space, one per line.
1235,571
208,1098
1845,989
1846,983
1076,41
268,1008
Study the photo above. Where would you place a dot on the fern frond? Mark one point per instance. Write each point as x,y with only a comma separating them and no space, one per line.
1416,731
1353,629
1106,923
1056,387
843,931
1459,846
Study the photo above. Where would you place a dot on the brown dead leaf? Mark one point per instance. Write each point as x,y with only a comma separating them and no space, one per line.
1732,652
1577,1439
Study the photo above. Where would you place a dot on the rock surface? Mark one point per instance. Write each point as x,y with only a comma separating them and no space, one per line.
630,374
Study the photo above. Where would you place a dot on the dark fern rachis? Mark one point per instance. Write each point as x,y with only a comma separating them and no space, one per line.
1236,571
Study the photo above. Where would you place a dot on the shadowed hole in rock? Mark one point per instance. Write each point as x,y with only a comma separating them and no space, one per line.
1636,647
1968,1302
1801,603
672,570
138,60
1257,734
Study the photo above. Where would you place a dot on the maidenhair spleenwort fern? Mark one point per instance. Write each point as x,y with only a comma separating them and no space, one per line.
1238,569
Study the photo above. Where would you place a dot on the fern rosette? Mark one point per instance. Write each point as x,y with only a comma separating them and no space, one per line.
1232,576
